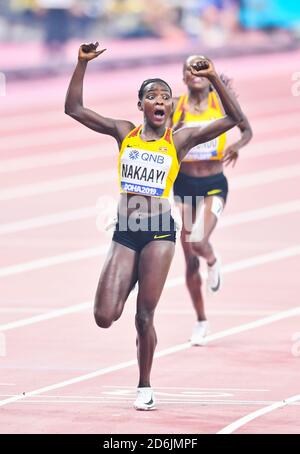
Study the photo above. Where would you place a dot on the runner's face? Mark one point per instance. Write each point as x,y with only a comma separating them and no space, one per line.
157,103
194,83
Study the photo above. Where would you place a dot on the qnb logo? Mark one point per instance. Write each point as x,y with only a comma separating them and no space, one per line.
134,154
157,158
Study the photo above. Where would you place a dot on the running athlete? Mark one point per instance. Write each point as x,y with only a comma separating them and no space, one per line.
201,174
144,238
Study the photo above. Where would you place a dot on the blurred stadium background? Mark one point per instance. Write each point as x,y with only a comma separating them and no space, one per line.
38,36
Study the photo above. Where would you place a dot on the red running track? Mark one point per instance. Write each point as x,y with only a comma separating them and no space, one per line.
80,379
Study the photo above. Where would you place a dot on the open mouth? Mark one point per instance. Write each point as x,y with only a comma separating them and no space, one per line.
159,113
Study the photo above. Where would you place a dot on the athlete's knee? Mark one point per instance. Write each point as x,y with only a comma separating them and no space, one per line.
106,312
192,265
200,247
143,321
103,320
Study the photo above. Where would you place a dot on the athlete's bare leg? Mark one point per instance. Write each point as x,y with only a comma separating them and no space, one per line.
203,248
192,272
154,264
118,276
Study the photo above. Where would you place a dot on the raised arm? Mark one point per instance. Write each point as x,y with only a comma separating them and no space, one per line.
185,139
74,100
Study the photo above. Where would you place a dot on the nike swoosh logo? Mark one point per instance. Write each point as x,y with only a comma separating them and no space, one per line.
216,288
214,191
161,236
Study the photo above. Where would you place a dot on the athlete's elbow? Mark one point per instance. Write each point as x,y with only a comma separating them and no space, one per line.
234,120
68,110
238,117
249,132
74,113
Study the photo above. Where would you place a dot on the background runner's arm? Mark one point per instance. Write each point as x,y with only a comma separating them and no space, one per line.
184,139
170,119
246,132
231,153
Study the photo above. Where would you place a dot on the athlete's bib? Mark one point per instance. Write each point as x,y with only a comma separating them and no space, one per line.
213,149
203,151
144,172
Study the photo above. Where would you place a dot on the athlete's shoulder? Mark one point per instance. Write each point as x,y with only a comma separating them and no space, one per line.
127,128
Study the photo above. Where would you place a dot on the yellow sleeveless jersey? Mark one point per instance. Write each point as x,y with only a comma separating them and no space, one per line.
212,150
147,168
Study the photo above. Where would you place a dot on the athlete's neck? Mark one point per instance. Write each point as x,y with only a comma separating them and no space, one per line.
149,133
198,97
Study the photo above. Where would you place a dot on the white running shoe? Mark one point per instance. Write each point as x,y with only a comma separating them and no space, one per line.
199,334
145,399
214,277
135,289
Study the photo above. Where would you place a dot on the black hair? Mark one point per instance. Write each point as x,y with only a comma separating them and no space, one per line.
151,81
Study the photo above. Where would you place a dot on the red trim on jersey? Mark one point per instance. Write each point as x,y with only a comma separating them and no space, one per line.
134,132
181,104
168,135
213,103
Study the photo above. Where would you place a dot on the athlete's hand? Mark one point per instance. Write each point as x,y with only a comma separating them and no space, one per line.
228,82
231,155
89,51
203,68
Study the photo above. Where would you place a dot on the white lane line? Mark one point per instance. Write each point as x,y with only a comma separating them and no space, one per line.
266,212
46,262
161,401
72,132
227,312
55,158
267,147
256,414
168,351
11,124
184,388
61,184
25,310
16,125
50,219
47,316
69,134
91,212
173,282
265,177
102,149
262,259
98,178
82,254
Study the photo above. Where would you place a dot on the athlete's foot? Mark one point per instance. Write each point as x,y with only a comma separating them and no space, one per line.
214,277
144,399
199,333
